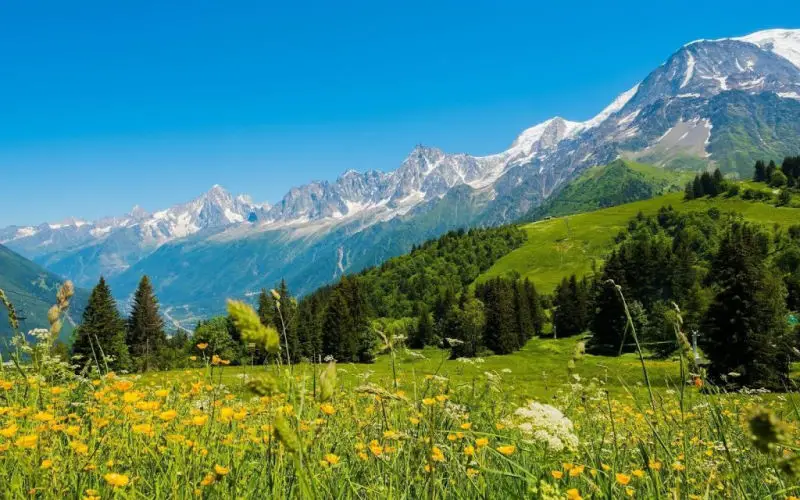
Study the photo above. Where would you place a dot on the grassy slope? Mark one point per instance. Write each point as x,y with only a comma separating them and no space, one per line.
566,245
609,185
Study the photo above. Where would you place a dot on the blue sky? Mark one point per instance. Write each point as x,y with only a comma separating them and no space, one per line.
104,105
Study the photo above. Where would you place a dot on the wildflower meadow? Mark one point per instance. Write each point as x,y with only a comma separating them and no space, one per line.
322,431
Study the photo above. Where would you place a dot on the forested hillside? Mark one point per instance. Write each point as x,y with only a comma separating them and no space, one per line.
609,185
32,291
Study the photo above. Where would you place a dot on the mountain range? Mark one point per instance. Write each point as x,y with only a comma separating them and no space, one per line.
723,102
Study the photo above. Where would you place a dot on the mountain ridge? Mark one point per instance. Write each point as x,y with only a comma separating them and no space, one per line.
721,102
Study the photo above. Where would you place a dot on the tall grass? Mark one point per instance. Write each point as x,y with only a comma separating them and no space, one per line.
284,432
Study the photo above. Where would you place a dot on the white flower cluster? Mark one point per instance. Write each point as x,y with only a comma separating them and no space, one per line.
547,425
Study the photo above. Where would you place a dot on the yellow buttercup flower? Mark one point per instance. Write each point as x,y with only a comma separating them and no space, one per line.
507,450
220,470
28,441
332,459
327,409
623,479
437,455
46,464
168,415
469,450
574,494
116,480
9,432
557,474
202,346
576,471
199,420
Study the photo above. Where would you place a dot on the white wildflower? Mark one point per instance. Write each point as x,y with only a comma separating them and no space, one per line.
546,425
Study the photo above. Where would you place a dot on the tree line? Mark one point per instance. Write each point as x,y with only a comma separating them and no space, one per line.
730,282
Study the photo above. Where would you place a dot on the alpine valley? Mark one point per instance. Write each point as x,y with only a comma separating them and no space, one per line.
723,103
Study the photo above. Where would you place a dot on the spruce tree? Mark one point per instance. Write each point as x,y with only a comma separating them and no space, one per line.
771,168
535,307
102,332
424,333
501,321
145,329
760,173
338,339
697,188
285,309
266,308
470,320
523,308
745,328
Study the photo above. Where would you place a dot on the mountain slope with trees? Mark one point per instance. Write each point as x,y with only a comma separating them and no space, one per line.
32,289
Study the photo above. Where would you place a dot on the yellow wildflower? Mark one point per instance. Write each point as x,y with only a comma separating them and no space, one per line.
327,409
199,420
116,480
574,494
168,415
507,450
332,459
220,470
623,479
28,441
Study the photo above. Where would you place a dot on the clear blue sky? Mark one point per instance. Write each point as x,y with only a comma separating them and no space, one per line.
105,104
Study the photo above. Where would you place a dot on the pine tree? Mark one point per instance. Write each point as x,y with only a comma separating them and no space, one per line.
745,328
771,169
709,187
102,332
470,320
697,188
283,318
145,329
719,181
535,307
338,339
501,321
523,308
688,192
424,333
266,308
760,173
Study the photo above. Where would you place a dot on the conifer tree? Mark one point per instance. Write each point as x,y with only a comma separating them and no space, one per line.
760,173
283,318
338,339
501,319
102,332
471,321
535,307
697,188
771,168
424,333
522,305
266,308
145,329
745,328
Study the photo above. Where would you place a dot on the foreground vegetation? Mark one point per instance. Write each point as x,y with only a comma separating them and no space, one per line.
463,429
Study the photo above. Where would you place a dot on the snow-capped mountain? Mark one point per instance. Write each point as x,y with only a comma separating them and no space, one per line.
83,250
724,102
